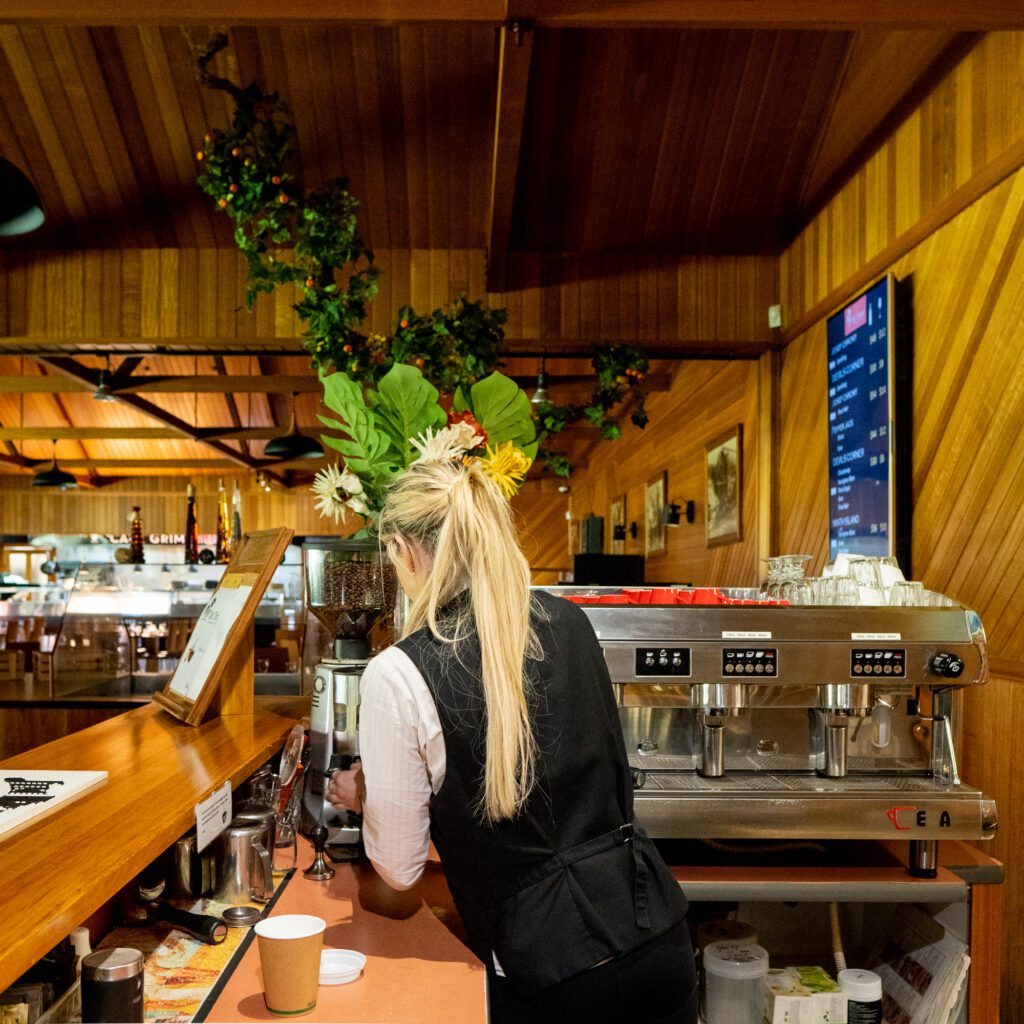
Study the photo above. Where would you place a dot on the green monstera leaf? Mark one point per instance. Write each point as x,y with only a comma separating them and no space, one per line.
368,452
405,405
503,410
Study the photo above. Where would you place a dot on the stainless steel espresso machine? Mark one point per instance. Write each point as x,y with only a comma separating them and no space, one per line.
351,591
751,721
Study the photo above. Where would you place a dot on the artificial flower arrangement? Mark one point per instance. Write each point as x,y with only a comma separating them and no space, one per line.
384,430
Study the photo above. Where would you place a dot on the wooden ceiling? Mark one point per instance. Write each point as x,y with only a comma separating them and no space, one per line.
541,130
643,140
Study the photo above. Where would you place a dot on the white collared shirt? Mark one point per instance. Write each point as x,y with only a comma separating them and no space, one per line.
402,748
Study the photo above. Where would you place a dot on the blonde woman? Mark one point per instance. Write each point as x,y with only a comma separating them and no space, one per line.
491,729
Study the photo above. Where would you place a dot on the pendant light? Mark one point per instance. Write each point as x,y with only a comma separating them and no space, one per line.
103,392
294,445
540,396
54,476
20,208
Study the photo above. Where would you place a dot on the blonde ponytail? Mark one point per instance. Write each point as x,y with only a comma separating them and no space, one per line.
459,517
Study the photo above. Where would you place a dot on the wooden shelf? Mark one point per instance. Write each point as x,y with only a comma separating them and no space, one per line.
62,868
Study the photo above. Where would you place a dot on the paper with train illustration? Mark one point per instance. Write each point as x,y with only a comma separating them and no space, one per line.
28,794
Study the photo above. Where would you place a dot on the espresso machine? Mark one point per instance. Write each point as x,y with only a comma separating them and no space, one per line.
773,722
350,589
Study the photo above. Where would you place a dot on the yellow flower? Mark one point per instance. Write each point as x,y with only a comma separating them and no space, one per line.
507,466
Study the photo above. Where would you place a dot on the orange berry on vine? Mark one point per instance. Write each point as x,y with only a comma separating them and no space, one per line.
346,349
276,179
403,324
310,282
236,151
207,137
282,199
222,203
232,187
200,155
419,362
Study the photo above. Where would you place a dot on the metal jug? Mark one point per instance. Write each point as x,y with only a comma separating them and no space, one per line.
244,873
190,873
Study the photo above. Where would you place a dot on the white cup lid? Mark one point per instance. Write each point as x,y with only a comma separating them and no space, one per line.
863,986
736,960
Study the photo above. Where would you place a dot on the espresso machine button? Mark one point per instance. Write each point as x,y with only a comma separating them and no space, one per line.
948,665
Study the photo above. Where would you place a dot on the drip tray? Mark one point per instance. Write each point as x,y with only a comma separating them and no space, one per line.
783,784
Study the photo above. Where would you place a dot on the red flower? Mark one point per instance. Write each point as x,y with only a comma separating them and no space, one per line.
455,418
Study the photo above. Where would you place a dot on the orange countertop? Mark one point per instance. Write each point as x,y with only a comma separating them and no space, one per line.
58,870
416,968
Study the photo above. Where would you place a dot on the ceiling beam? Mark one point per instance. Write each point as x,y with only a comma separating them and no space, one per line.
779,14
226,433
794,14
236,420
230,385
515,49
564,348
228,465
83,374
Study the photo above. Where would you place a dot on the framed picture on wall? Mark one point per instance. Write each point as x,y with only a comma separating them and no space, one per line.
724,467
617,519
654,503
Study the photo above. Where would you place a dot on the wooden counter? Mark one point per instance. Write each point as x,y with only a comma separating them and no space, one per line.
417,971
60,869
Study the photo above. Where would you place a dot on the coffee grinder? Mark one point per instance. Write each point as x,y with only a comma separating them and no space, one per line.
350,589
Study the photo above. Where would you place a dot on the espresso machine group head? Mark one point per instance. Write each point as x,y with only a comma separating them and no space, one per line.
351,591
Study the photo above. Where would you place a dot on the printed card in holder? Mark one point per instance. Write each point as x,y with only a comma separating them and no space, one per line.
218,654
212,816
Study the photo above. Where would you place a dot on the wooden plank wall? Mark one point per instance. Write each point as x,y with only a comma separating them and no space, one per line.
968,463
706,400
198,294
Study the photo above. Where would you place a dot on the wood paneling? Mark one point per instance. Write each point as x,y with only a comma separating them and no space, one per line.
971,122
659,139
24,728
554,298
968,410
106,120
706,400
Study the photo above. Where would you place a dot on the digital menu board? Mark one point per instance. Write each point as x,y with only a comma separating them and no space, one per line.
861,395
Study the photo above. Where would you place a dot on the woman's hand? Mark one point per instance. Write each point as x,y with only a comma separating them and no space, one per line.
346,789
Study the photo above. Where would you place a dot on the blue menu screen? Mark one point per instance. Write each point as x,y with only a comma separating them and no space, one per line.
860,384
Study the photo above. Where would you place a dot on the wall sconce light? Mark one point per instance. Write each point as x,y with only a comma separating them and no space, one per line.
633,530
672,513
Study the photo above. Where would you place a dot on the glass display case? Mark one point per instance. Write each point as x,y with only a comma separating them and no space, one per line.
125,626
30,622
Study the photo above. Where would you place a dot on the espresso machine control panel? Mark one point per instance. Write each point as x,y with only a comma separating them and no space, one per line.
738,661
663,661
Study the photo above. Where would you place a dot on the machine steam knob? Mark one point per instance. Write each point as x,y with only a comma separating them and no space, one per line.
948,665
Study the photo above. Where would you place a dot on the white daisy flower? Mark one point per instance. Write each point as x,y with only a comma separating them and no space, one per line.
336,490
438,446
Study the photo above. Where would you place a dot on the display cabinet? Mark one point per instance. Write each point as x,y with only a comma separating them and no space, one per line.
125,626
30,623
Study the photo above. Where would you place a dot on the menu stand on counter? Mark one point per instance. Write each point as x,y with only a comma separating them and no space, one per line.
215,671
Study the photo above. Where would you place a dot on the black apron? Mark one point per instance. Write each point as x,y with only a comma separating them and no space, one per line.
572,880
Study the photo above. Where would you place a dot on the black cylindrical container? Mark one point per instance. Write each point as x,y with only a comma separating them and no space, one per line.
112,984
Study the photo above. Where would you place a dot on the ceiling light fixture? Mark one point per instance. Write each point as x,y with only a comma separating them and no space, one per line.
540,396
294,444
54,476
103,392
21,210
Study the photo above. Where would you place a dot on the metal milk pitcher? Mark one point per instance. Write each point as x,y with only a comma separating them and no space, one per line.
244,872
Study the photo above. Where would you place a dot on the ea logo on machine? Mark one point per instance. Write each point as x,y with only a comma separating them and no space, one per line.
918,817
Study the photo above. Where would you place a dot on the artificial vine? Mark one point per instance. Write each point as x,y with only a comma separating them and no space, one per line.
309,238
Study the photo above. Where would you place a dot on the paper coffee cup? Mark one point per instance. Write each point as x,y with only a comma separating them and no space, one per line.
290,947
